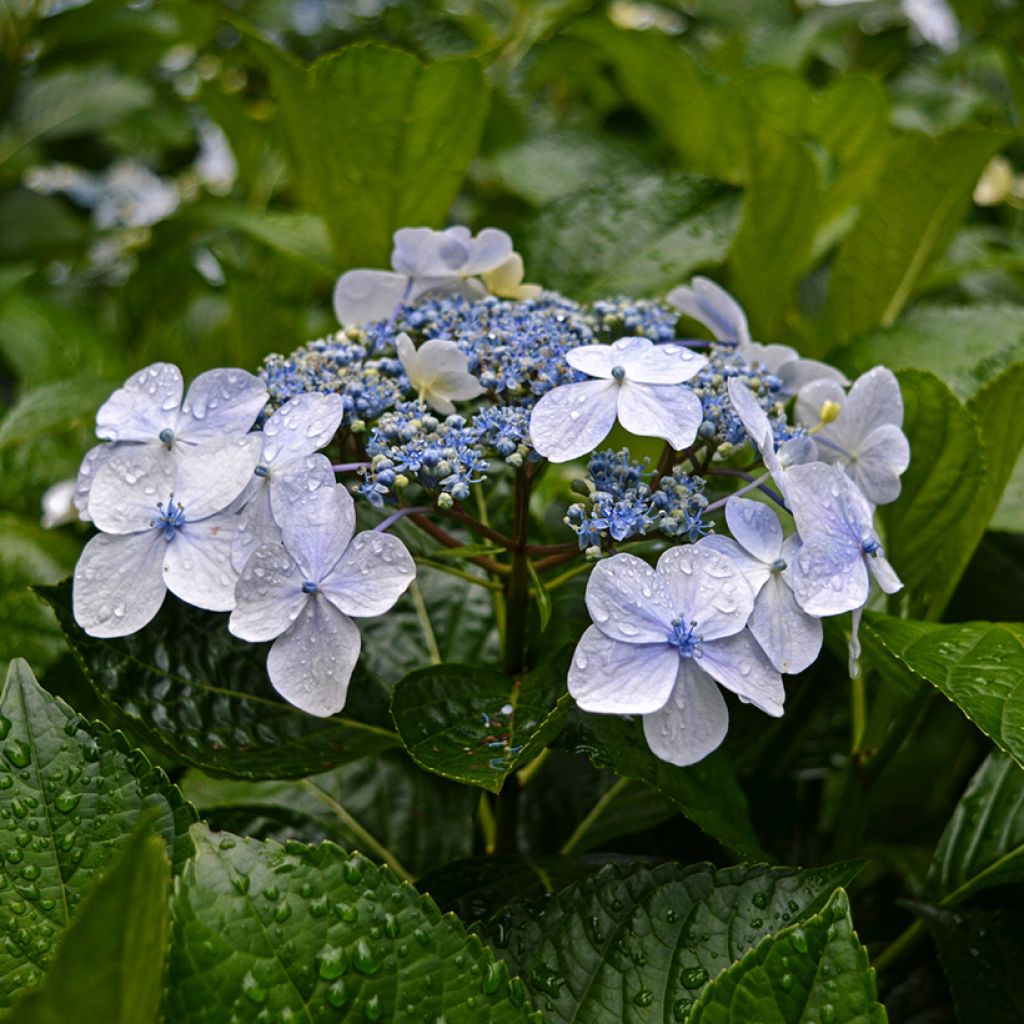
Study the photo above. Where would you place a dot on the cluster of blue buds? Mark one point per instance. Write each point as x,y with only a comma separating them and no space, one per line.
622,504
624,317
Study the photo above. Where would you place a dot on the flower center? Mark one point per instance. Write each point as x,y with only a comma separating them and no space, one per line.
170,519
870,546
685,637
778,565
309,587
166,436
618,372
262,471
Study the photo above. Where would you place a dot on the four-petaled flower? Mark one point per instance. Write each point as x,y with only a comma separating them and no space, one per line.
301,595
865,437
166,526
287,469
439,371
789,636
637,381
149,410
663,640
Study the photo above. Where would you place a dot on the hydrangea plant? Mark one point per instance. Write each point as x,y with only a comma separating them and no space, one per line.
725,491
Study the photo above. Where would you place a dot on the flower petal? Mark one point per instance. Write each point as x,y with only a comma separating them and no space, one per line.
647,363
488,251
197,563
220,403
755,526
268,595
884,573
693,721
255,527
361,296
874,399
303,425
311,664
118,588
829,576
148,402
739,664
593,360
815,495
319,529
211,475
882,457
710,304
621,679
752,416
371,576
671,411
627,601
417,253
95,459
708,588
788,635
572,420
755,571
797,374
126,490
813,396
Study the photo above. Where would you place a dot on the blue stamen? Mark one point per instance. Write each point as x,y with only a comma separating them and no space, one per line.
778,565
170,519
686,639
262,471
309,587
870,546
166,435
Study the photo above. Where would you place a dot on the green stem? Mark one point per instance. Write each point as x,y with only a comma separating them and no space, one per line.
907,938
596,811
364,838
524,775
858,713
428,630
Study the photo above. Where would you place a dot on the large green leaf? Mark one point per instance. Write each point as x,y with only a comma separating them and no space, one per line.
70,793
269,932
977,665
707,792
907,220
53,408
940,488
193,691
983,844
377,141
639,236
635,943
816,971
476,725
109,966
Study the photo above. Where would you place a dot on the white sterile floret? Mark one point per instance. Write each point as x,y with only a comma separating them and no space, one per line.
287,469
866,437
506,281
424,260
302,595
840,545
755,422
662,642
166,526
149,410
710,304
639,383
790,636
439,371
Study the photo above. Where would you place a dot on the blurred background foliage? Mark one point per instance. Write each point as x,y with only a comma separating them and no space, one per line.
184,181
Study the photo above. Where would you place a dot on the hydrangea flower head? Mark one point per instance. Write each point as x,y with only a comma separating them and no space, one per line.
634,381
662,642
303,595
166,526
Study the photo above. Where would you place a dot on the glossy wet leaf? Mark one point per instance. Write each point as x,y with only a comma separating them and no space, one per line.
201,696
261,928
977,665
814,971
70,794
476,725
109,965
639,943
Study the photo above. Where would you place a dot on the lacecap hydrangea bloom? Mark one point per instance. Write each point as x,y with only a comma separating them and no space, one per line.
713,556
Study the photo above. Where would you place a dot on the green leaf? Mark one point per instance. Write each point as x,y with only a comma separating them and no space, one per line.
816,971
475,725
309,931
109,966
983,959
780,213
983,844
638,236
191,690
905,222
940,489
377,141
71,793
977,665
638,943
53,408
707,793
